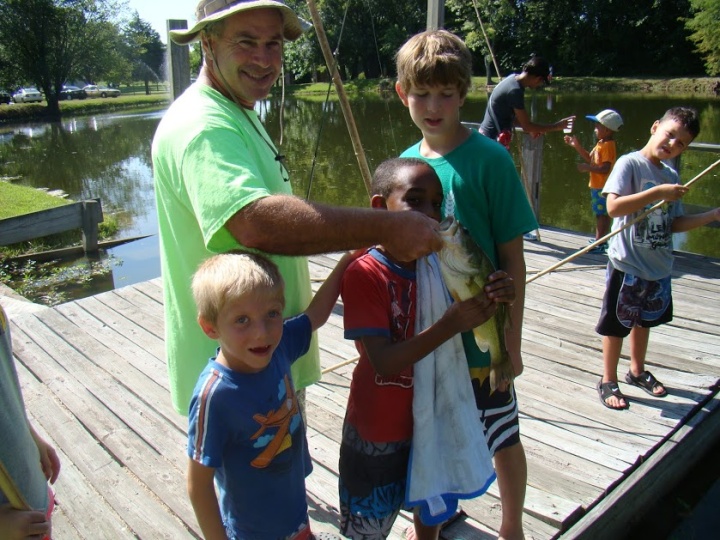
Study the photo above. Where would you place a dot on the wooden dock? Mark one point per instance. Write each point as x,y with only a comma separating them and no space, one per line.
94,379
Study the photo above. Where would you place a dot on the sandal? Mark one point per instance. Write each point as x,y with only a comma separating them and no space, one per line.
647,382
608,389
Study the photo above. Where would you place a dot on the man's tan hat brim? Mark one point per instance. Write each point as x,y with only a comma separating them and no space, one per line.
215,10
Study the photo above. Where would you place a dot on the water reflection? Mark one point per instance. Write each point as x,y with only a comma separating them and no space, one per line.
108,156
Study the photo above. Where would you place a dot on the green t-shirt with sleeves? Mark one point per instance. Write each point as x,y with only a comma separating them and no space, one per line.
210,160
489,200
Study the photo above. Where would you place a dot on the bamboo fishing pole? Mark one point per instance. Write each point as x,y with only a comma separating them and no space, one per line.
344,102
487,40
340,364
613,233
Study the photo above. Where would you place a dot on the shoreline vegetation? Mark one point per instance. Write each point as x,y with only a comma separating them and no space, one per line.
680,87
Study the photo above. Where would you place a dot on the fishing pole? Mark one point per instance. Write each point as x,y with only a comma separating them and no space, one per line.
344,102
339,365
613,233
487,40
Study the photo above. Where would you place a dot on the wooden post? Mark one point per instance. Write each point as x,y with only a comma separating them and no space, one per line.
435,14
91,217
531,159
178,61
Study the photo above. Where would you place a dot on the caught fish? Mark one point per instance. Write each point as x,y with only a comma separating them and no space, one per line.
465,268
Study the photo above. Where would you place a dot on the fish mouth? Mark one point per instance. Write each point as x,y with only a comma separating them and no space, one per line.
447,224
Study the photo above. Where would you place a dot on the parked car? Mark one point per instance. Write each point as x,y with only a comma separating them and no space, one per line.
5,97
27,95
93,90
72,92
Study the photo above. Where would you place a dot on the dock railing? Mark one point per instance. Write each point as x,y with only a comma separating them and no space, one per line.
531,160
84,215
676,164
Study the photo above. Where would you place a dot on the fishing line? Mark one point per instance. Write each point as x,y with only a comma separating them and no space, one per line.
280,158
487,40
613,233
335,55
382,73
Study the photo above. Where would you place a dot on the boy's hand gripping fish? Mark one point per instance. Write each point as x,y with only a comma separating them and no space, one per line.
465,268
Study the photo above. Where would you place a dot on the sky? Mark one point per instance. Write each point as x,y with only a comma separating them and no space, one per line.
157,12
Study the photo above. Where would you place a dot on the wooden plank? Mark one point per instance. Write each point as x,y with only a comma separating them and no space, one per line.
80,511
148,322
52,361
133,353
610,518
138,507
131,330
42,223
112,375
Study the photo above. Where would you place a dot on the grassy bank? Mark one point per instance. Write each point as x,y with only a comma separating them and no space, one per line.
702,86
17,200
45,282
681,87
18,112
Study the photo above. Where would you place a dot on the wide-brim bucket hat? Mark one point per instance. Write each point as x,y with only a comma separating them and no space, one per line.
209,11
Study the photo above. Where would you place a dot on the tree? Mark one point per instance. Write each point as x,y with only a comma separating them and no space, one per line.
46,42
704,27
145,51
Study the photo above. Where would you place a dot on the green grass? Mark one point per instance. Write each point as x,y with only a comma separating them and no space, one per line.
670,86
16,200
80,107
133,97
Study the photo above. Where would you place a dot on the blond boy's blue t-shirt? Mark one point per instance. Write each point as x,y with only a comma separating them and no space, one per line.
210,161
490,201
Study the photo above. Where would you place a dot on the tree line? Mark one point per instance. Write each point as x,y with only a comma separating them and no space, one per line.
49,42
610,38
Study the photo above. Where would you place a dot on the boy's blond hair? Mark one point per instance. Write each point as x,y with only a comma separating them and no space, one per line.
228,276
434,58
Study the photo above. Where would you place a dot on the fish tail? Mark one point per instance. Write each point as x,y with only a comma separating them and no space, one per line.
501,373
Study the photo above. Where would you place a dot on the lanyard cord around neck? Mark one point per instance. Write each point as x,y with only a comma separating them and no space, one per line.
278,156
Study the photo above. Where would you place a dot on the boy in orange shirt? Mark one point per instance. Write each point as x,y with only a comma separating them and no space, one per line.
599,162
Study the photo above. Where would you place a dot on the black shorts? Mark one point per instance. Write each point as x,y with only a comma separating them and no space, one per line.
632,301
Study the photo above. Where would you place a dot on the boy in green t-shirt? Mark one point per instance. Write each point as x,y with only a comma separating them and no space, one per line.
485,194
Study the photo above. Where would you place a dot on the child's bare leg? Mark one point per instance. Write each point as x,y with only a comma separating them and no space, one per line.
612,346
422,531
603,226
511,469
639,339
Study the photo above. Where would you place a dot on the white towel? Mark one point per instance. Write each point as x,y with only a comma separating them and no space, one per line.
449,459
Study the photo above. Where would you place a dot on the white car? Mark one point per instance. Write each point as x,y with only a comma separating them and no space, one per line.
27,95
93,91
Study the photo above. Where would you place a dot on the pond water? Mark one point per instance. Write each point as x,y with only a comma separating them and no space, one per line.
108,156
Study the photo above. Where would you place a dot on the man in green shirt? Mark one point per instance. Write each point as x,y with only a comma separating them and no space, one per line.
220,184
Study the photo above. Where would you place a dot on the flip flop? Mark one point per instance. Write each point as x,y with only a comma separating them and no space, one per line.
610,388
647,382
